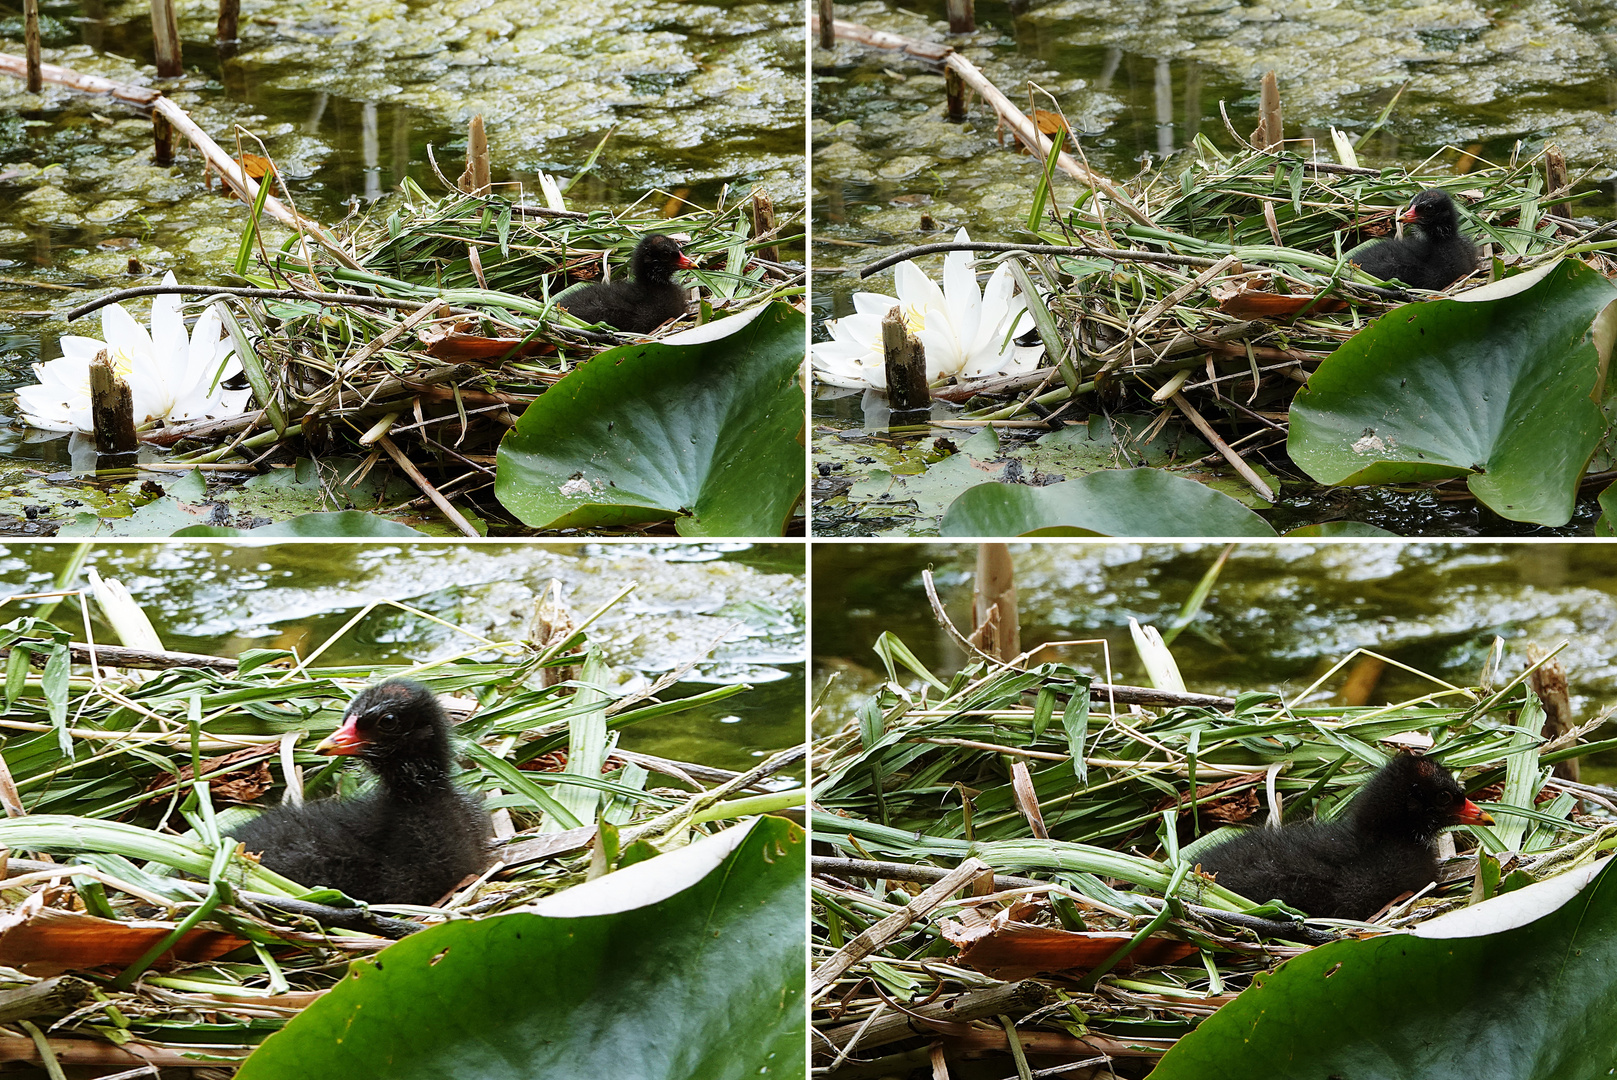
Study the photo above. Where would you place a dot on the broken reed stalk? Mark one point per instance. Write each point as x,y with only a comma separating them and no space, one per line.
229,18
112,408
455,516
827,36
954,89
996,624
162,141
1237,462
906,365
962,17
30,32
166,40
763,224
475,180
1270,131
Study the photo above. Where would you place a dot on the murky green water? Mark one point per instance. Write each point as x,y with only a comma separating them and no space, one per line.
1138,81
1279,617
347,96
224,598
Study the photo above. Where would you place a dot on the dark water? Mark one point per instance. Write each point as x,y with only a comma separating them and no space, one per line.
1279,615
698,99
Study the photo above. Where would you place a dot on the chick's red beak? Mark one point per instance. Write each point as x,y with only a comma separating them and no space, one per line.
1408,215
1472,814
684,262
345,741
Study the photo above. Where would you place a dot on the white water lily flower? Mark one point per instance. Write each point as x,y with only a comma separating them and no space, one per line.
966,333
172,375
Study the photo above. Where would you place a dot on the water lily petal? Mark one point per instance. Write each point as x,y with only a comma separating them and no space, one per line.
916,291
871,303
169,340
124,335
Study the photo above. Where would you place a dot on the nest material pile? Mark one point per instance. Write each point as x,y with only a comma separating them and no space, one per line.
443,326
130,797
1238,286
1100,940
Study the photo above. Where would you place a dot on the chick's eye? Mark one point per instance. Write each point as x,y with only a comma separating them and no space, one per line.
388,722
1445,798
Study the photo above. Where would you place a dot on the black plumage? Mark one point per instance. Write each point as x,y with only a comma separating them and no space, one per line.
645,303
1431,255
409,839
1352,867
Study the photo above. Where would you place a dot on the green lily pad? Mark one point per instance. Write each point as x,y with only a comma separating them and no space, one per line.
1520,987
1502,385
1116,502
700,428
687,966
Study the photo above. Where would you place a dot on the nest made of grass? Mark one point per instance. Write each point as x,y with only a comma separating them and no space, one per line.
925,777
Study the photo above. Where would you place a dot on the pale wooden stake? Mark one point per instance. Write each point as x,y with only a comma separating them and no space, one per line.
828,36
166,39
995,622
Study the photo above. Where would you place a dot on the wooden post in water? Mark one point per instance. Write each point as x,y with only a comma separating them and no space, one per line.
763,224
30,34
166,39
906,365
828,33
228,26
112,408
962,17
162,141
955,87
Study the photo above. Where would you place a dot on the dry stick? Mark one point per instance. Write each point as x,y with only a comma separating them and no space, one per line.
880,933
1236,461
30,32
223,163
1026,132
426,487
93,1052
119,656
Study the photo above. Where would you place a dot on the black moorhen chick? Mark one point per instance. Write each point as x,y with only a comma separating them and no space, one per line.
641,305
408,840
1352,867
1435,256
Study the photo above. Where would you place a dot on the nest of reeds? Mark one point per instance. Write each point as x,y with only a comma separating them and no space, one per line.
1096,939
436,325
118,784
1232,285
